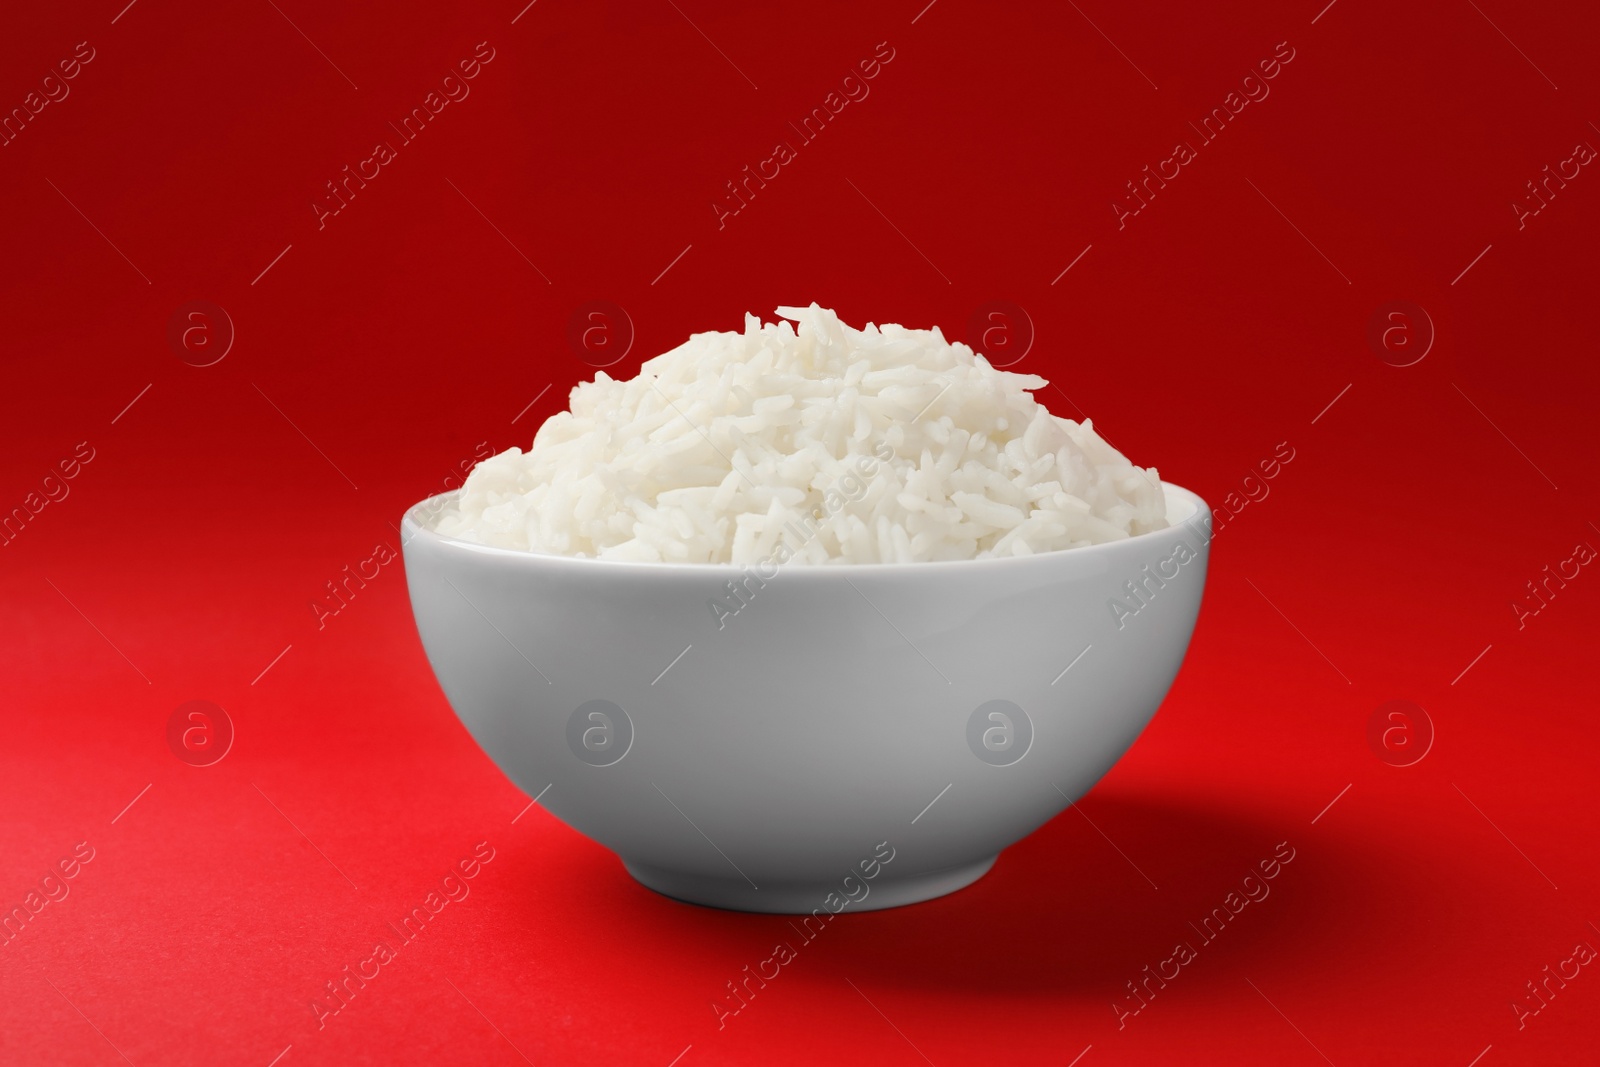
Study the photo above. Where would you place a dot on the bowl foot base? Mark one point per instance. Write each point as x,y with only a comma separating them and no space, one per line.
801,898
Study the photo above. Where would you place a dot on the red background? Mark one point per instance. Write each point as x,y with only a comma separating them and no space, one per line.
1218,322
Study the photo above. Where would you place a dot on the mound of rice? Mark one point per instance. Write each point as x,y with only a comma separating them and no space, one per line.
816,443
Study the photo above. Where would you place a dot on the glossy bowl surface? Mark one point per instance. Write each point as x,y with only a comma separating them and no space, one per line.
855,736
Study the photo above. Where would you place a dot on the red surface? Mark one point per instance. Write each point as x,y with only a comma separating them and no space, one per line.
404,336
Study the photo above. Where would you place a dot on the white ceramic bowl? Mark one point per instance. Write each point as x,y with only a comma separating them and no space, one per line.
854,736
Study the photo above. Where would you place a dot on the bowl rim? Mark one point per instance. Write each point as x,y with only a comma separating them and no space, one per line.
412,528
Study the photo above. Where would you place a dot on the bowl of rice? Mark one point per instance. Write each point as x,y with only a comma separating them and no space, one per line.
808,617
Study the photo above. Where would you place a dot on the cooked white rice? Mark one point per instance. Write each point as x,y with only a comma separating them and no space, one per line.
822,444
